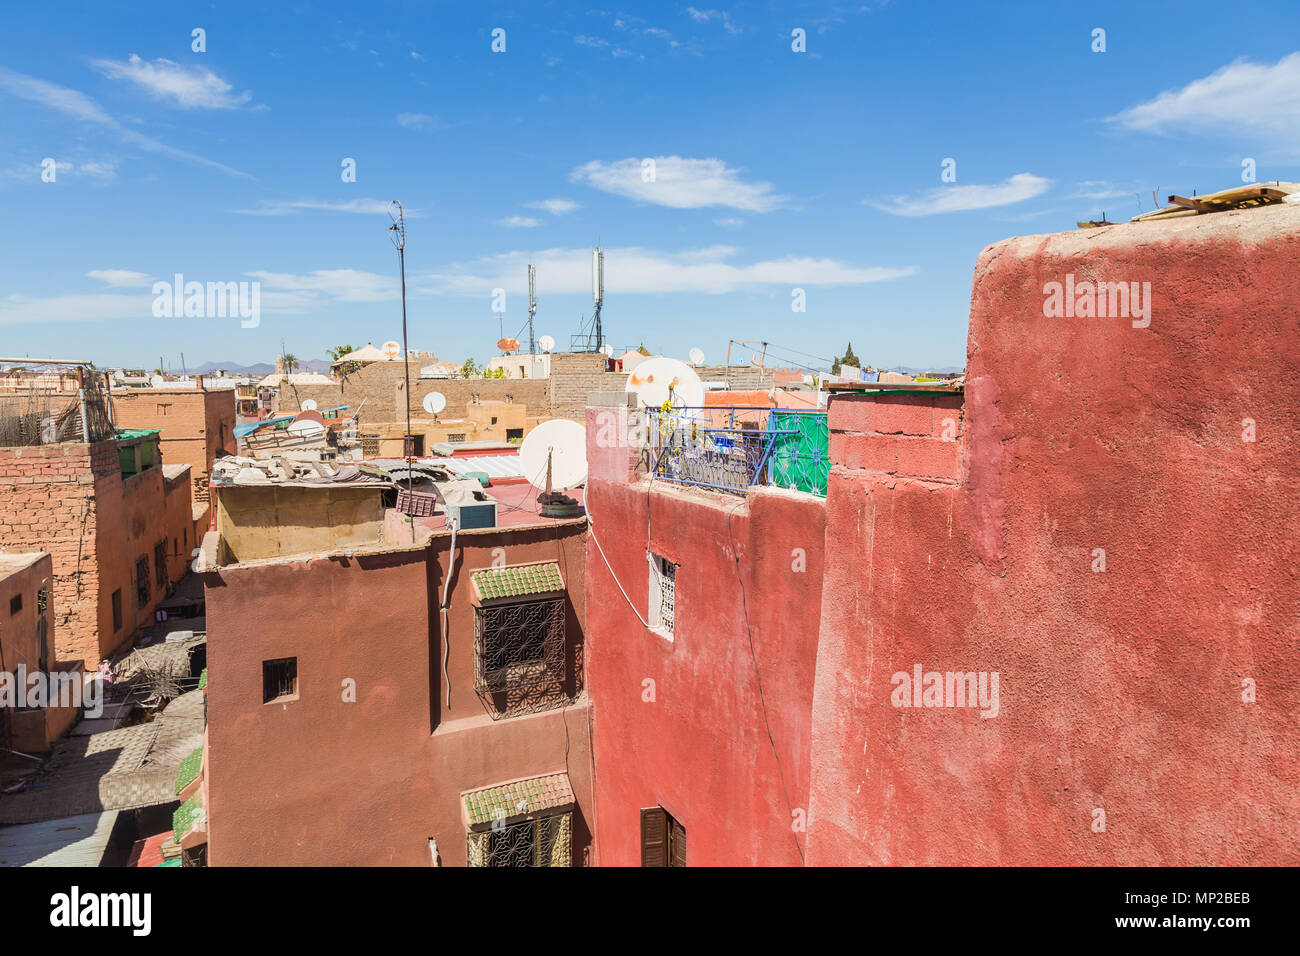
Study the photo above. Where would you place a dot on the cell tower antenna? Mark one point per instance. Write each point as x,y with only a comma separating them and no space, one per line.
598,290
532,308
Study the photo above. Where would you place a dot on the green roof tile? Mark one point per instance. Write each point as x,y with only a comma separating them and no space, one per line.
203,679
189,769
186,815
519,581
519,798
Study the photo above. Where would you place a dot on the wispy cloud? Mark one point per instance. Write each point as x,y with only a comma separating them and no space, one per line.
98,171
421,121
705,16
288,207
959,198
519,222
189,87
77,105
556,207
343,285
729,222
680,183
1240,98
121,277
636,270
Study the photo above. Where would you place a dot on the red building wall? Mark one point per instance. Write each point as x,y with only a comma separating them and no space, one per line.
1121,690
701,748
321,781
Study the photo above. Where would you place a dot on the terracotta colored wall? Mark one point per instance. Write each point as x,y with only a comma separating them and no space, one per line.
1120,690
30,730
196,425
318,781
70,500
179,525
701,748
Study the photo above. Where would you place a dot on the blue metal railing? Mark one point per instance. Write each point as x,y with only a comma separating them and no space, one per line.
732,448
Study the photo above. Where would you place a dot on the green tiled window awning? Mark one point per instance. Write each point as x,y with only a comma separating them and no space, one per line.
186,815
189,769
513,801
520,581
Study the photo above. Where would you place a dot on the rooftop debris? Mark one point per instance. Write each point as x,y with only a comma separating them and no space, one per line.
1237,197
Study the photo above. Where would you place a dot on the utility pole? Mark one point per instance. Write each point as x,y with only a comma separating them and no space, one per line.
532,310
398,229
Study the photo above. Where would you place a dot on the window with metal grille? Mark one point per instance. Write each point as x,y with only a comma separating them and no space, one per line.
160,566
519,656
544,841
457,437
663,594
279,679
663,839
142,582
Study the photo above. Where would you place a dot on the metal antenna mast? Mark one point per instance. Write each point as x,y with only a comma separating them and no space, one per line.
598,290
398,228
532,309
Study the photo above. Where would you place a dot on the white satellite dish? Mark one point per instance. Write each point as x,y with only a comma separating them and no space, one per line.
607,350
157,381
697,356
546,342
309,405
564,444
391,350
654,379
434,402
306,428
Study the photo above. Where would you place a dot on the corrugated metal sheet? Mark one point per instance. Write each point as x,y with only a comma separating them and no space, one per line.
69,841
496,466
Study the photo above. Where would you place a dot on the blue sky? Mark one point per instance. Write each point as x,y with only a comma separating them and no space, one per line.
774,169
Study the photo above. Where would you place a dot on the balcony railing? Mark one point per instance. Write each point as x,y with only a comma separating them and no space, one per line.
733,448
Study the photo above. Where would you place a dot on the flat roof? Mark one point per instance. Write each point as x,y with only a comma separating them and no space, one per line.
11,562
68,841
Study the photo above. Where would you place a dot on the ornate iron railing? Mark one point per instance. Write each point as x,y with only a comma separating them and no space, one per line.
732,448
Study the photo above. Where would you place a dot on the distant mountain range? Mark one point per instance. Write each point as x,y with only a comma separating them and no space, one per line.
260,369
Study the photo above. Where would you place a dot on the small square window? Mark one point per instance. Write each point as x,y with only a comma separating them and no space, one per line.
15,604
279,679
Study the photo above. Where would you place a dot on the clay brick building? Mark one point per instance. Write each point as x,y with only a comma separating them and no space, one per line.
27,637
195,425
99,509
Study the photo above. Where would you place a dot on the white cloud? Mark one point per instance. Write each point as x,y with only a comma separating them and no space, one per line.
417,57
583,40
343,285
420,121
102,171
189,87
1242,97
704,16
729,222
556,207
944,199
646,271
96,307
287,207
679,183
121,277
519,222
81,107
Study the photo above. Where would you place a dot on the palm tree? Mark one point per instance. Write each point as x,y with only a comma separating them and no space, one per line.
290,363
336,353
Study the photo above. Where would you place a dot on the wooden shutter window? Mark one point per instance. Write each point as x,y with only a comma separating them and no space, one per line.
654,837
677,843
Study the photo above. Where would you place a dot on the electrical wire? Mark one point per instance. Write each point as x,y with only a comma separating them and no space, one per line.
442,613
762,698
591,527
